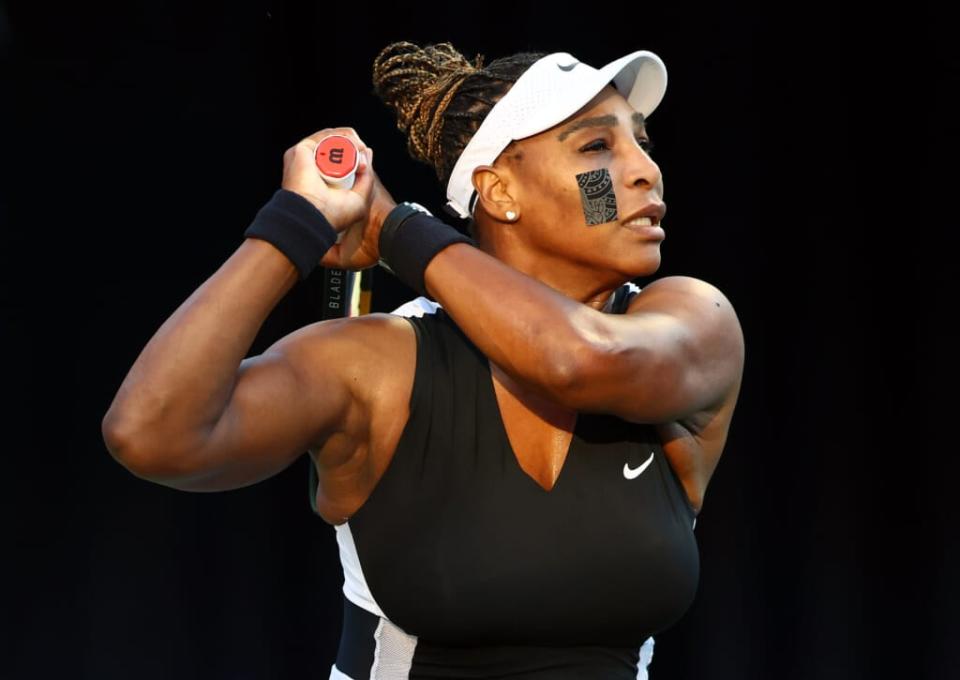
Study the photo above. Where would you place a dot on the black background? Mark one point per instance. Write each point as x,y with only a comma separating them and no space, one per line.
809,165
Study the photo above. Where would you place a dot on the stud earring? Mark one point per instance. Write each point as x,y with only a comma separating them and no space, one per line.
511,215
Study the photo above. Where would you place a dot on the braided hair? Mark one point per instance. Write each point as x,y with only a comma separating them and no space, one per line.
440,98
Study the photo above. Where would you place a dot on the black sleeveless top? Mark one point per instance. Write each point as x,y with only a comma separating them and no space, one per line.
476,566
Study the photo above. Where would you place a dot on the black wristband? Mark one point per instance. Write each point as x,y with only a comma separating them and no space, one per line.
296,228
410,237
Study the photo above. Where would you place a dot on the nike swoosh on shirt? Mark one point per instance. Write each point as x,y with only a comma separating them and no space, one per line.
569,67
633,474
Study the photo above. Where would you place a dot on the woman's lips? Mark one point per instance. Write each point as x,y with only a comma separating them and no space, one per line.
651,232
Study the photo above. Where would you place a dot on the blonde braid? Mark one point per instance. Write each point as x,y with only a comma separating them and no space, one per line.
419,83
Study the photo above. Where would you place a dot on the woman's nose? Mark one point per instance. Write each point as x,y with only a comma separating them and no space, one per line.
640,167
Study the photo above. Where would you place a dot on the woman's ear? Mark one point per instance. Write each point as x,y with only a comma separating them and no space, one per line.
493,187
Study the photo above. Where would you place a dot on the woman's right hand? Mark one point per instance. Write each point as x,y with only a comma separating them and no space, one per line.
343,208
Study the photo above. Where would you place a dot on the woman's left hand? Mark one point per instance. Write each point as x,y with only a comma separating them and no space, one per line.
359,248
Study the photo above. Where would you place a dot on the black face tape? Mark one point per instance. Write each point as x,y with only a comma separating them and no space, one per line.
597,197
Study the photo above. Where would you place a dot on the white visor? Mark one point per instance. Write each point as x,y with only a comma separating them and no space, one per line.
550,91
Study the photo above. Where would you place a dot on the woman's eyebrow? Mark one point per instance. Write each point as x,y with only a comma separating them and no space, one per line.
608,120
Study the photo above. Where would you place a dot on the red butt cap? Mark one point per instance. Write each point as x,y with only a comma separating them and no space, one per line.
336,156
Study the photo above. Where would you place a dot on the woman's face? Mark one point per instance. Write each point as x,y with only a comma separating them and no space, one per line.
576,184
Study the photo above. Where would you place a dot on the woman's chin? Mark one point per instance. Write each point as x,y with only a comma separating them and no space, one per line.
647,262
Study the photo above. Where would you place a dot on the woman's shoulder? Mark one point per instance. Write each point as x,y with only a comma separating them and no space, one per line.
368,353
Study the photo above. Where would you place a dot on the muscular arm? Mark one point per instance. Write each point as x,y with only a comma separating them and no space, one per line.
191,415
176,390
677,351
676,354
537,335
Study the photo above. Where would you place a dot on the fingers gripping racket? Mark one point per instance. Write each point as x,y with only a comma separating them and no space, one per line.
345,292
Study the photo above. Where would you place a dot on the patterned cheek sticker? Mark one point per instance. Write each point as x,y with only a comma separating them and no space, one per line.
596,195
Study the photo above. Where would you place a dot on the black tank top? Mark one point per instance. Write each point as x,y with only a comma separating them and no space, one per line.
459,564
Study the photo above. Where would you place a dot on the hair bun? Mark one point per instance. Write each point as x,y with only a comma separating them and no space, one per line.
418,84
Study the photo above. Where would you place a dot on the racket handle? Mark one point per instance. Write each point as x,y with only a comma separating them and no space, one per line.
345,293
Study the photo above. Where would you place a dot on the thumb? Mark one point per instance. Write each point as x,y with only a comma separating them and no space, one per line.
364,181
